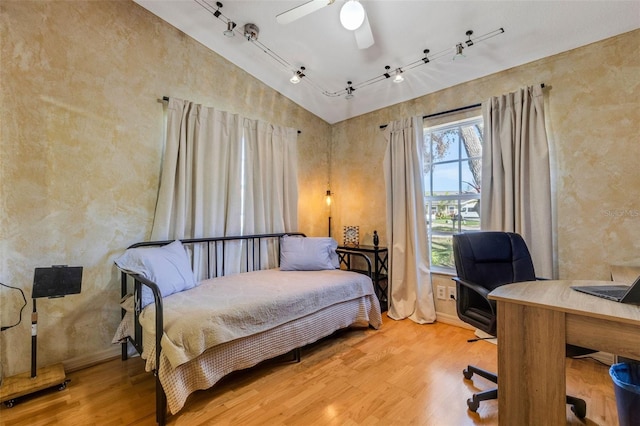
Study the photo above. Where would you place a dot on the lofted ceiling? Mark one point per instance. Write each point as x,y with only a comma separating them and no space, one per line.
402,30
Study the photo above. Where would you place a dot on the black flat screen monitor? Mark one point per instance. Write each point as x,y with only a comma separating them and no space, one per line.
56,281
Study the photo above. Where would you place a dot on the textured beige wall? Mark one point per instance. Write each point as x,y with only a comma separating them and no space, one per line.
81,150
594,124
81,132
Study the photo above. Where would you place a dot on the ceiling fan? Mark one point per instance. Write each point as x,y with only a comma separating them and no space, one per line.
352,16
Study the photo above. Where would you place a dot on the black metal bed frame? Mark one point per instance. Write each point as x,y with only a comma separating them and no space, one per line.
215,257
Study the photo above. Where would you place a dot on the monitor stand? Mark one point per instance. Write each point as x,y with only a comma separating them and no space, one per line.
35,380
23,384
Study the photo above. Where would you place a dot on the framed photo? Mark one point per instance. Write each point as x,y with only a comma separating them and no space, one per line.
351,236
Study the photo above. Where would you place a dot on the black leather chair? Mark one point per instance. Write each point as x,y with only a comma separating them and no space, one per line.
485,261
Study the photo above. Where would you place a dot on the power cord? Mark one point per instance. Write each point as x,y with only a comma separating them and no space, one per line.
21,309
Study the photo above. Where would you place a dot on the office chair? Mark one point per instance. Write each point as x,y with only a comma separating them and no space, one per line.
485,261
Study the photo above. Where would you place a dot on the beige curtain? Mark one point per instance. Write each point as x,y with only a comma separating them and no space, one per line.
410,293
516,179
211,164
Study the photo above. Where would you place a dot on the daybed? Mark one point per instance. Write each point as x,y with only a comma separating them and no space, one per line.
260,296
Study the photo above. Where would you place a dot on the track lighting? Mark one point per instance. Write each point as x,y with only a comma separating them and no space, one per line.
398,78
458,52
425,59
349,90
229,31
386,73
469,42
297,76
217,13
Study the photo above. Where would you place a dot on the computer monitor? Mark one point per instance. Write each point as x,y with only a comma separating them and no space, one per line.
56,281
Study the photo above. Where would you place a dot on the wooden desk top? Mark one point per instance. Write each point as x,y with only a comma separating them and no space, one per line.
557,295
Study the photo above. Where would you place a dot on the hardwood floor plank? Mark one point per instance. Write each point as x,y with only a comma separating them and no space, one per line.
402,374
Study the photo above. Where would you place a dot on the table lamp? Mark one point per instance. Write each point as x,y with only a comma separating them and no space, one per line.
50,282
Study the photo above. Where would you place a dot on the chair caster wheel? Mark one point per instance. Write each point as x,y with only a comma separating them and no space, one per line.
10,403
467,374
473,405
62,386
580,409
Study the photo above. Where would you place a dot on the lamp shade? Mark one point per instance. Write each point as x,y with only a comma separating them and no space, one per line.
352,15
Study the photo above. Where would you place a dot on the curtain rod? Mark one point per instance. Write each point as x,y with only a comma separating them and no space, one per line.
437,114
166,99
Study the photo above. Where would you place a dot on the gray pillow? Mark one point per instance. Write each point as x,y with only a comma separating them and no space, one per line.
167,266
308,253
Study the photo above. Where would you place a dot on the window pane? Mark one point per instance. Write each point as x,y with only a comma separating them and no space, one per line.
446,179
471,177
445,145
442,251
471,140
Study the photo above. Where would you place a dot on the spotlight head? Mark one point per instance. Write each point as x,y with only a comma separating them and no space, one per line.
349,90
230,27
458,51
398,78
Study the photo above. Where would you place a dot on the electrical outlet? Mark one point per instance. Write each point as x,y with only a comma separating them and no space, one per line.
451,293
441,292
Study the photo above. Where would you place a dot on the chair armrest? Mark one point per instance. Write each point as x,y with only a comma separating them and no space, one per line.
473,287
477,289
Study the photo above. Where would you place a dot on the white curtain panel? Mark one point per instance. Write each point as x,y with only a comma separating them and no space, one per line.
271,182
207,188
409,291
516,178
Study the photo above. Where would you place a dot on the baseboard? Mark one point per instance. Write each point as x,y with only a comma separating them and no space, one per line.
452,320
78,363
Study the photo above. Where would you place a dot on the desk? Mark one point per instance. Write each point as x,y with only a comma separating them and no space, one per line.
535,321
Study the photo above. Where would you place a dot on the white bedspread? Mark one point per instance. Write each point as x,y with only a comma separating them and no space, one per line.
231,307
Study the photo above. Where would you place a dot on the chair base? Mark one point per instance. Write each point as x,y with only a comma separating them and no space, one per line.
578,406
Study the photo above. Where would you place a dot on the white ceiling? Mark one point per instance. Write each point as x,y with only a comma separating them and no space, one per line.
402,30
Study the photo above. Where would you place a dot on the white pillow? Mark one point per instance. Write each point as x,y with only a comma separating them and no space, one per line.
167,266
308,253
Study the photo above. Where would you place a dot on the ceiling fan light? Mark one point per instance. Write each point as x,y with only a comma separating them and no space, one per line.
352,15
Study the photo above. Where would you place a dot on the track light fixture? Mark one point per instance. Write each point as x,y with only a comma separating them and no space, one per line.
398,78
425,59
386,73
458,52
230,27
297,76
217,13
469,42
349,90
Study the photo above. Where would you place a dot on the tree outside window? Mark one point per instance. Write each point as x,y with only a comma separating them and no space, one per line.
452,181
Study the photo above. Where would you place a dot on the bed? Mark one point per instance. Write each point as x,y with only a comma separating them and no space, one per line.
253,297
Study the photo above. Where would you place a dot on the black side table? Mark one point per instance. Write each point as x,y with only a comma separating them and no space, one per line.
378,256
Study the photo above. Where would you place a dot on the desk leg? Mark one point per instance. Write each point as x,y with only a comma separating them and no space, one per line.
531,365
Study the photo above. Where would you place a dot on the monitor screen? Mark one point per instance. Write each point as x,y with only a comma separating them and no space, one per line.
56,281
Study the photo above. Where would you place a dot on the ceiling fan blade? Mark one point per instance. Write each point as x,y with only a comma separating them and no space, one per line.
364,36
302,10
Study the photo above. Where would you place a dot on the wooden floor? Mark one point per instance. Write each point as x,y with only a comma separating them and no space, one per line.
402,374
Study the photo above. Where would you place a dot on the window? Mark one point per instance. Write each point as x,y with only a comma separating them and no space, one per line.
452,181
